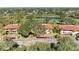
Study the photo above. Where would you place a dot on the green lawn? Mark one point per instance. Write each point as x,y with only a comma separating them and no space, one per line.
77,20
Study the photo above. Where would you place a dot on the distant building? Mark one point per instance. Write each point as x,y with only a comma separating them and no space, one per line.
48,27
69,29
48,31
11,31
74,16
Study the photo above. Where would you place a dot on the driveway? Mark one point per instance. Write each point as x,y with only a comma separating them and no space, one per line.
33,40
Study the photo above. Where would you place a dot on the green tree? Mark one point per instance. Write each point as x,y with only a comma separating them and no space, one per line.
69,21
39,46
31,27
56,28
8,45
67,44
25,28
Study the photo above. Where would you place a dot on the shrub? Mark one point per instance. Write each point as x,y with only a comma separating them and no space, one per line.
67,44
40,46
31,27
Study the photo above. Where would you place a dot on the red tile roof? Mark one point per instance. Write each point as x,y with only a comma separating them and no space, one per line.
48,26
10,36
42,36
69,27
11,26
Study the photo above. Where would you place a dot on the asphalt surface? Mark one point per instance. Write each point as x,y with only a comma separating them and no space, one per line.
33,40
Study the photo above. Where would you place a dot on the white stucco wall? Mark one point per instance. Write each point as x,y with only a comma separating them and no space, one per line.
75,32
68,32
65,32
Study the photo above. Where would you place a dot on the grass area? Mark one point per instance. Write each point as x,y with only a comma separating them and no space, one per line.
77,20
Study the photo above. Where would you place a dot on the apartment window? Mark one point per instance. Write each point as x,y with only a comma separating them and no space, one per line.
13,31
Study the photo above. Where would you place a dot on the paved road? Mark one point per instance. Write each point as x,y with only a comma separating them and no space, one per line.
76,41
33,40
